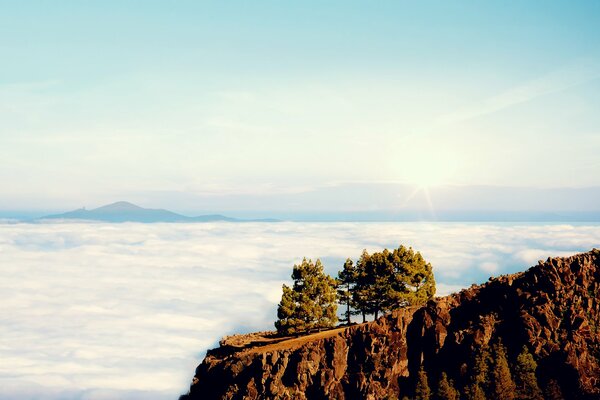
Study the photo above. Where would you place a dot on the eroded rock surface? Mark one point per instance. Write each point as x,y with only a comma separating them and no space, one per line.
553,308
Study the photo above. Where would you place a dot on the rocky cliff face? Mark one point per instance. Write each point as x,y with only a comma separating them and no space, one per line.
553,309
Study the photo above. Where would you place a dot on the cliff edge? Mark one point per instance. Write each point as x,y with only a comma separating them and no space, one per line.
553,308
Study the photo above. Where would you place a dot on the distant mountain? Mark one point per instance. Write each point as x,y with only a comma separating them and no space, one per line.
123,211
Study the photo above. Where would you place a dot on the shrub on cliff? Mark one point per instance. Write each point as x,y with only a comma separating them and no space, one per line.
310,303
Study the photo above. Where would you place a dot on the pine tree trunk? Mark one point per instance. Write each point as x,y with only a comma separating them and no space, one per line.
348,312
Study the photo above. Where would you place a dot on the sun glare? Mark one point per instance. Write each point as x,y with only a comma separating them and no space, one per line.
428,177
428,170
425,170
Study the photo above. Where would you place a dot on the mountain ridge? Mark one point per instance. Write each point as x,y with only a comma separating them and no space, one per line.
123,211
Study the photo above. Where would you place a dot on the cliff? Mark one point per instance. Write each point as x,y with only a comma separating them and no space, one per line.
552,308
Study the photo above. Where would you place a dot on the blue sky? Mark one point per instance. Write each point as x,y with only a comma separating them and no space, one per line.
168,102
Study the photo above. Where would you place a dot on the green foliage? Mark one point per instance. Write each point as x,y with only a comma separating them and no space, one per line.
346,280
422,391
287,312
391,279
362,294
310,303
446,390
503,386
480,381
481,368
492,378
415,274
474,392
525,379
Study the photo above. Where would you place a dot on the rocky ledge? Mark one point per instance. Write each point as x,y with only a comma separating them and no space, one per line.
553,308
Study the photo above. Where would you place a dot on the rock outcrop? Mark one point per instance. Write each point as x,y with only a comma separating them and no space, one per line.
552,308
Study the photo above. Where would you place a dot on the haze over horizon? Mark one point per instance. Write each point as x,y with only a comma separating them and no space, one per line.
357,202
264,106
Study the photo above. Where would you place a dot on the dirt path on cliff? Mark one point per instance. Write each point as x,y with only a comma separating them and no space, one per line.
294,342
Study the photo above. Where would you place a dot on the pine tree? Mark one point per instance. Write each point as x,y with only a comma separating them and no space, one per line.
287,321
389,280
380,278
345,283
480,372
415,275
422,391
446,390
525,379
503,386
310,303
362,292
474,392
481,367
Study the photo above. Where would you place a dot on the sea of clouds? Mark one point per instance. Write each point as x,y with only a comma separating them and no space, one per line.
115,311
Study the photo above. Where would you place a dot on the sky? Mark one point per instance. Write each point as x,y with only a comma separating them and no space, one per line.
127,311
172,104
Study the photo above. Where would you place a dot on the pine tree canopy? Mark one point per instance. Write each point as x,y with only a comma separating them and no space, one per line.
479,375
446,390
391,279
422,390
310,303
503,386
474,392
346,280
481,366
525,379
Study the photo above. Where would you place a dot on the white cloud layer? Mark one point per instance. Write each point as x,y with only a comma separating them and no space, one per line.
108,311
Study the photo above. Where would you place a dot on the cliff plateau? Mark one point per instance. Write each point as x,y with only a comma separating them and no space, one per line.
553,308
